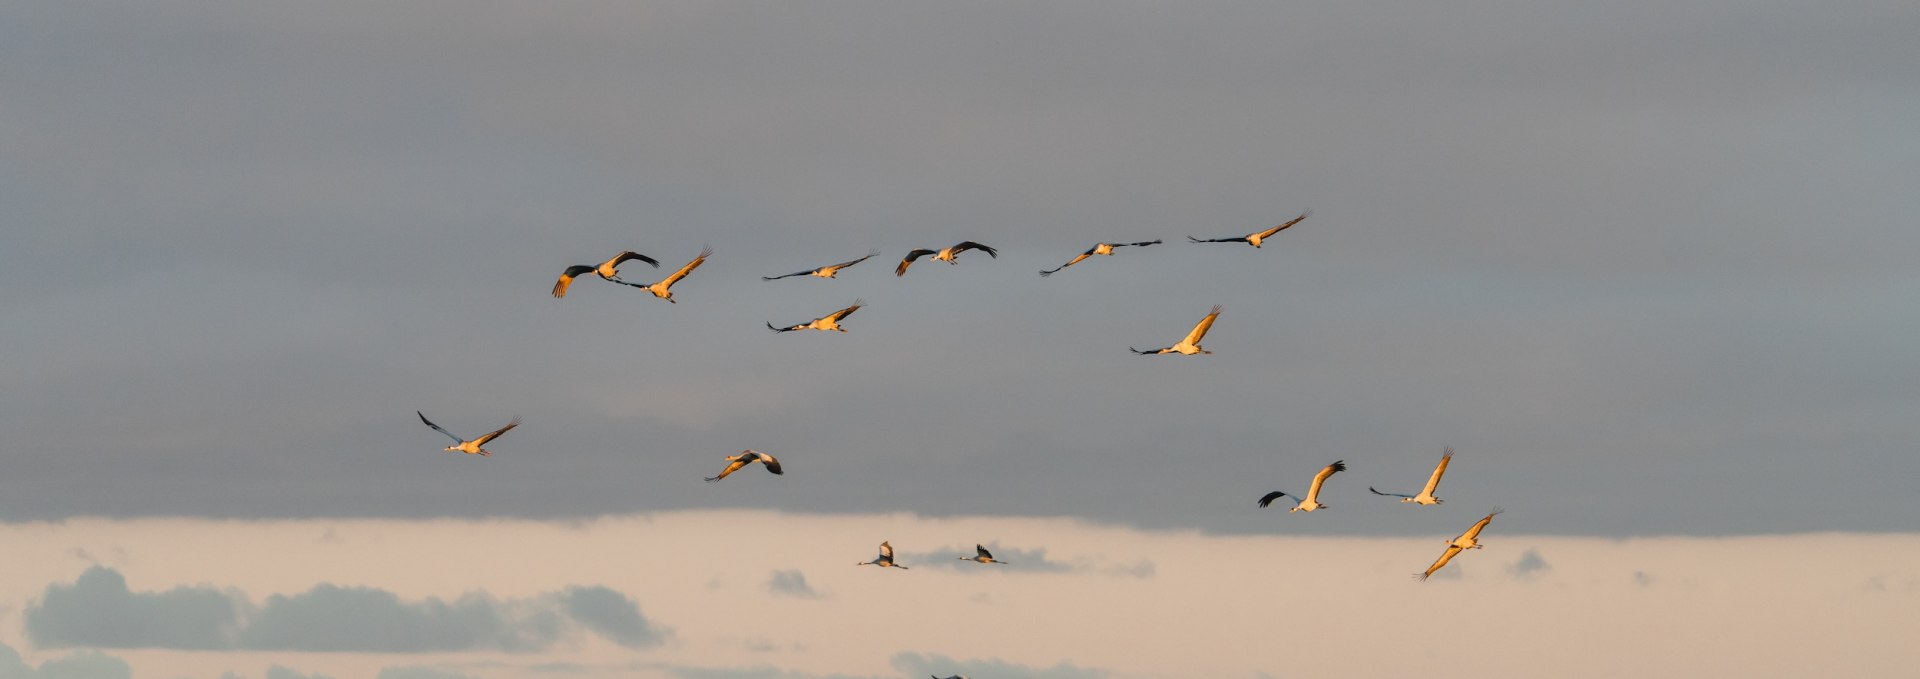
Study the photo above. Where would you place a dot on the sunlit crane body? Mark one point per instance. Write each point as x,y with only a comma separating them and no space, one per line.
472,447
1467,540
608,270
982,555
1254,239
1312,500
1101,249
1190,345
943,255
885,560
828,322
827,271
747,457
1426,494
664,288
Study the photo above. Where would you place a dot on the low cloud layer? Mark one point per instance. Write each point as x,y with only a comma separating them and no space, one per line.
99,610
935,664
81,665
1025,561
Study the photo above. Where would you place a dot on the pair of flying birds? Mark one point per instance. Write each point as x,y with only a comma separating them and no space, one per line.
609,270
885,560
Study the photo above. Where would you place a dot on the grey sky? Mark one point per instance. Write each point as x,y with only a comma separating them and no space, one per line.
1648,267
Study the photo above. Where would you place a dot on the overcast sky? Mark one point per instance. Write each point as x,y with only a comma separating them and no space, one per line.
1649,267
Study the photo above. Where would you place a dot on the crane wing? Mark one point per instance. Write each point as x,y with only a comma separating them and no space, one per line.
886,551
1141,243
497,432
423,418
630,255
1313,494
1296,220
789,275
1076,260
1270,497
695,264
1148,352
1240,239
1438,470
1200,330
1474,532
772,464
904,263
843,313
982,551
970,245
1442,561
732,467
1376,492
566,278
843,265
786,329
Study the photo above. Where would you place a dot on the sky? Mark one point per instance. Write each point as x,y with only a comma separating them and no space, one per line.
1646,267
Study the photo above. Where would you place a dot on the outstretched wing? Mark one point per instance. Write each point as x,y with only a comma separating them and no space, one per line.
966,245
497,432
695,264
1444,558
1474,532
1270,497
904,263
772,464
982,551
1200,330
886,551
566,278
732,467
1142,243
787,329
1376,492
788,275
628,256
843,313
423,418
1149,352
1240,239
1438,470
1076,260
1296,220
843,265
1313,494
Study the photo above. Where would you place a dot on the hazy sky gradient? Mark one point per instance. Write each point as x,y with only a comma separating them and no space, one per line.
1648,266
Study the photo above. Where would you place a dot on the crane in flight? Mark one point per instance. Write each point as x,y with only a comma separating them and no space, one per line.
982,555
608,270
885,560
1256,238
1312,500
1467,540
1098,249
827,271
747,457
1190,345
1426,494
664,288
472,447
828,322
944,255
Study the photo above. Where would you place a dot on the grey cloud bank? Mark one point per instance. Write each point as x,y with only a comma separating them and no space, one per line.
1643,249
98,610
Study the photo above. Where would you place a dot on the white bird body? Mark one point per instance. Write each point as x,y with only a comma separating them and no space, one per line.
1312,501
827,271
1426,496
664,288
982,555
1256,238
470,447
1467,540
1191,344
1098,249
885,560
945,254
747,457
828,322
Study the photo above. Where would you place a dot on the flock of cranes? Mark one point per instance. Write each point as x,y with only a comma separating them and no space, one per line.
1188,346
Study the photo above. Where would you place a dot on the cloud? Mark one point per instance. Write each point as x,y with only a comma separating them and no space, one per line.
941,665
760,672
612,614
791,583
99,610
1642,579
419,672
1025,560
279,672
80,665
1529,565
